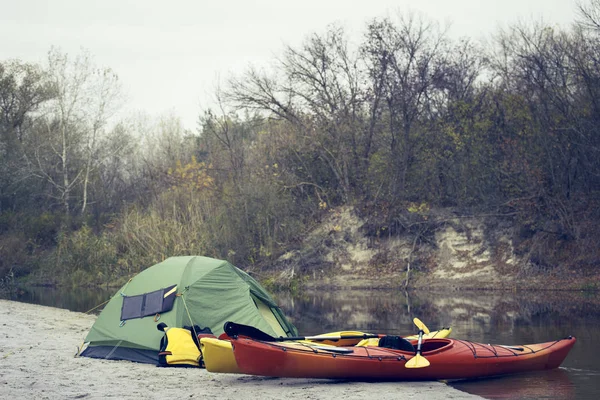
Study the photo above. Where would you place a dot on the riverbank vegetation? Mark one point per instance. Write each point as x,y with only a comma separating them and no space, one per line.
406,121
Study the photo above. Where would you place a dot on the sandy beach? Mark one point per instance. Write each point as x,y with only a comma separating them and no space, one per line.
37,361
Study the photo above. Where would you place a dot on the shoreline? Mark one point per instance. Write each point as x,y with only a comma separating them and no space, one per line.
37,360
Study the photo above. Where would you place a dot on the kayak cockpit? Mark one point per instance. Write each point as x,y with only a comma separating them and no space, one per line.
433,346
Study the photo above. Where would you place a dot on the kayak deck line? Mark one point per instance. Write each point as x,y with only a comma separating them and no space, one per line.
522,349
510,347
491,347
393,353
448,358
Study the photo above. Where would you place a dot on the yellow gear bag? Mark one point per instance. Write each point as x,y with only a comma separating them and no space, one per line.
177,348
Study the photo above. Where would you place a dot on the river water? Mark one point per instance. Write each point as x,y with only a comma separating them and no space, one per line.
487,317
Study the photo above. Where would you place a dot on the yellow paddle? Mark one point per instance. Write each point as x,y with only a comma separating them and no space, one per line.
418,361
233,329
421,325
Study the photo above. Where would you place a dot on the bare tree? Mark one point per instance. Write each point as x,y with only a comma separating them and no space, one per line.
65,152
325,77
317,88
413,57
104,92
589,14
23,88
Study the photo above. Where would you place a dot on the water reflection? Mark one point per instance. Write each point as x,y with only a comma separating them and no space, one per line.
487,317
553,384
75,299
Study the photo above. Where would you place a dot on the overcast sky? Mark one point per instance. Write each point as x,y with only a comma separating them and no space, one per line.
169,54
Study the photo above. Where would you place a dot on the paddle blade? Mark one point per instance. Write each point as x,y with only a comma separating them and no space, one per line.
421,325
418,361
232,330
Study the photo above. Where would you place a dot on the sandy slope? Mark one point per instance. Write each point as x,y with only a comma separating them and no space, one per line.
38,344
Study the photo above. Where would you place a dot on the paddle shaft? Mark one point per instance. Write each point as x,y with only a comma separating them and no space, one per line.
422,330
332,338
419,342
232,329
418,361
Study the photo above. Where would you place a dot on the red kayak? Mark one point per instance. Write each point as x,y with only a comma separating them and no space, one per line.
448,359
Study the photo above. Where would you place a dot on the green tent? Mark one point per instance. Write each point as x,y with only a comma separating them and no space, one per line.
180,291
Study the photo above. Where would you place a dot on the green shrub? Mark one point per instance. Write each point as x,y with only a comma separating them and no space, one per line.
84,258
13,255
43,228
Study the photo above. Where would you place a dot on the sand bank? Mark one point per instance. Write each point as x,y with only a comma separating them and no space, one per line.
37,361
